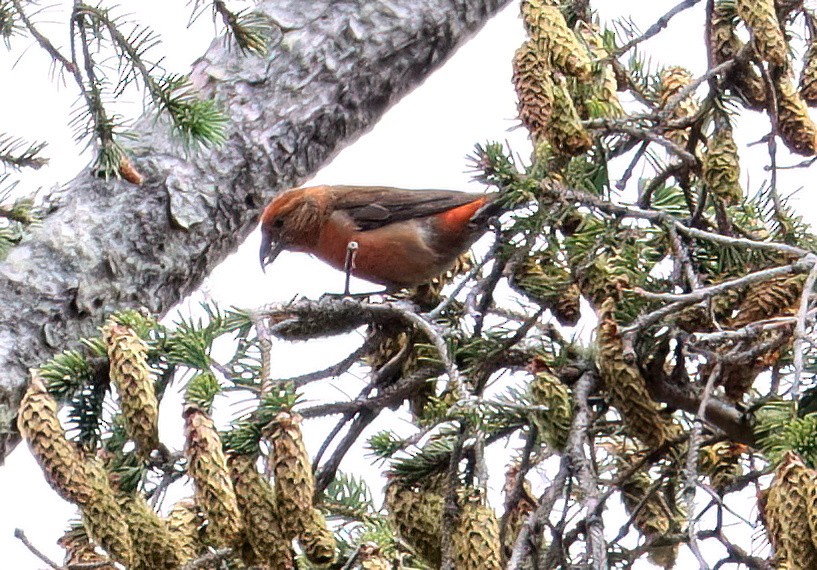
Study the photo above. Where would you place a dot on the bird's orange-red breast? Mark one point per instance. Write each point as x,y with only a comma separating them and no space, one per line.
404,237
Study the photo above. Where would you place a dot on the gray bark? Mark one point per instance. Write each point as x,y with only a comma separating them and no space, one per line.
333,69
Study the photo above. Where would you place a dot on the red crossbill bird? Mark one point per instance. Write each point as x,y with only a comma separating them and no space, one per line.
404,237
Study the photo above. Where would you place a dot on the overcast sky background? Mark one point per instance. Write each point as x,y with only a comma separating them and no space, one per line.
421,143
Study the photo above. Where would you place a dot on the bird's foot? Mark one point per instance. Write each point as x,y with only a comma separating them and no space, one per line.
348,295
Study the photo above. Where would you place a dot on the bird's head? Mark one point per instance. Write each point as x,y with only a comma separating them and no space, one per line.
292,220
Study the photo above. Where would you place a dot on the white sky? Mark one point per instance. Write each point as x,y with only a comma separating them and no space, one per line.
421,143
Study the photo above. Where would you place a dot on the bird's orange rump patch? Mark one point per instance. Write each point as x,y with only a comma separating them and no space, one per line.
459,217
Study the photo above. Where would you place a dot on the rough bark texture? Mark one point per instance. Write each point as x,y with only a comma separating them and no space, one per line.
333,69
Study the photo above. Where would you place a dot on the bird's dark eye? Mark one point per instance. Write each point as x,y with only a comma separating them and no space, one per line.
278,223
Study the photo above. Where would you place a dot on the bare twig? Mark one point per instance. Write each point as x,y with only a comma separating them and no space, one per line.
749,332
21,536
645,196
350,562
264,345
800,331
680,253
450,509
46,44
530,534
326,474
328,372
394,394
653,30
659,217
445,303
585,472
208,560
679,301
692,464
621,184
513,497
645,134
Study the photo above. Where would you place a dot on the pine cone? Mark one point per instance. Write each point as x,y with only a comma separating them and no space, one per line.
547,282
604,86
214,491
790,500
416,516
294,482
547,390
103,517
369,558
673,81
59,459
316,540
743,79
795,126
767,299
185,523
626,387
256,499
534,89
132,377
476,540
565,130
515,514
156,548
760,17
546,26
655,517
80,550
721,165
721,463
808,79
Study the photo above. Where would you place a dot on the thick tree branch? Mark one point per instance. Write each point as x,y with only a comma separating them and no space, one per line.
734,423
332,70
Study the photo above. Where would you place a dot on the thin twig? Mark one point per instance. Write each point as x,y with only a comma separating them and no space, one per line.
692,464
749,332
350,562
329,372
800,331
450,509
584,470
771,141
265,346
208,560
530,533
738,283
46,44
512,499
21,536
327,472
653,30
648,494
645,134
445,303
679,301
680,253
621,184
645,196
394,394
486,286
659,217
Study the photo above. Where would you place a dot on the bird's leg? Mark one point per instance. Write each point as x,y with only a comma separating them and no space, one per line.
349,264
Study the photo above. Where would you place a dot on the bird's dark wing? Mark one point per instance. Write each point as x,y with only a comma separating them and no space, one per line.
375,206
